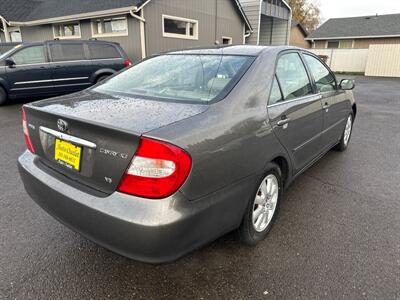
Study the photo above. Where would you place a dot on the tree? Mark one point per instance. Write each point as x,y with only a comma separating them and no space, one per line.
305,12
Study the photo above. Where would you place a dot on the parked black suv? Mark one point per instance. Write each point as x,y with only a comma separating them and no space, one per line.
57,67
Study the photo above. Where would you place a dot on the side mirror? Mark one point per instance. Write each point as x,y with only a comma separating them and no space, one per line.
347,84
10,62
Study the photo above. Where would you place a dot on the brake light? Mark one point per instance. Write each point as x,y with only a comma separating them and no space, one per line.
25,128
157,170
127,63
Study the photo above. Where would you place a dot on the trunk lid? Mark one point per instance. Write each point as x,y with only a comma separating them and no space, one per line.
103,131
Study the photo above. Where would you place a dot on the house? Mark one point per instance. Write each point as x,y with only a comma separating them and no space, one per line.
298,35
357,32
270,20
142,27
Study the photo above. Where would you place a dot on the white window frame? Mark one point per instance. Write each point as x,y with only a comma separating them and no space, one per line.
186,36
14,29
96,34
71,37
227,38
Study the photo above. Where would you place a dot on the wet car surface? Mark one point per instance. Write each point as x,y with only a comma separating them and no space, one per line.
337,234
206,144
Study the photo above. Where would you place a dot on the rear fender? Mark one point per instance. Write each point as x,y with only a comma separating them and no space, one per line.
101,72
4,84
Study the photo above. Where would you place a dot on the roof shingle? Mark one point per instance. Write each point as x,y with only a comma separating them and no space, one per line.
31,10
369,26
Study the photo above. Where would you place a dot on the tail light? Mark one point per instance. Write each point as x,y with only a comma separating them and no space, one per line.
127,63
28,140
157,170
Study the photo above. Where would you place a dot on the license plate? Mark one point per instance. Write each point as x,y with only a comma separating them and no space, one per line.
68,154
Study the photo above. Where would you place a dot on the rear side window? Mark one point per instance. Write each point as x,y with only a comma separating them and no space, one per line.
67,52
30,55
324,79
276,95
103,51
293,77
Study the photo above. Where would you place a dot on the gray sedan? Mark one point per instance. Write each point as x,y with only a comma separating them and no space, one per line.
184,147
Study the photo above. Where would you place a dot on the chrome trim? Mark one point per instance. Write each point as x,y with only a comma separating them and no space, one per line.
51,86
51,80
83,60
68,138
33,88
308,97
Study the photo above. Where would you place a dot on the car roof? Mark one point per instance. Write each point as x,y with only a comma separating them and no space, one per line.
235,50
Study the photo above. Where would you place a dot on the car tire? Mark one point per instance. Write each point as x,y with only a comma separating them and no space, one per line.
264,203
3,96
102,78
346,135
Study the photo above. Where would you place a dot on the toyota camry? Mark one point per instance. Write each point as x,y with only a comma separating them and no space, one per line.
184,147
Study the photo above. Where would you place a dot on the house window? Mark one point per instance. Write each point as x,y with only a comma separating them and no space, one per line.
226,40
346,44
181,28
15,34
67,31
110,27
332,45
343,44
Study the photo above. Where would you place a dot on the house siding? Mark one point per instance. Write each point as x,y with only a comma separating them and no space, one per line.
279,32
252,10
229,23
212,27
297,38
363,43
130,43
266,28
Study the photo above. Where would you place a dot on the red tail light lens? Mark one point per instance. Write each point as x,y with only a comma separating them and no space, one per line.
28,141
157,170
127,63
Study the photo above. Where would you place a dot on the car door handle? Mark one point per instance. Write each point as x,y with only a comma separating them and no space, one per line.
283,122
326,106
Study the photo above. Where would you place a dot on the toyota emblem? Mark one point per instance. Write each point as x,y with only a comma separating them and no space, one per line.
62,125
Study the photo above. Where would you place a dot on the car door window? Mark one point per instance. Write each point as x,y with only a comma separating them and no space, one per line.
67,52
324,79
30,55
293,77
276,94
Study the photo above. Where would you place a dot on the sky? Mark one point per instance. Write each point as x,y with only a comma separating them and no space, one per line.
353,8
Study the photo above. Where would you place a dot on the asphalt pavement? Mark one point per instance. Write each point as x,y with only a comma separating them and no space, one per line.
337,235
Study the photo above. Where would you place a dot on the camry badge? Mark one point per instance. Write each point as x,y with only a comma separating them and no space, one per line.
62,125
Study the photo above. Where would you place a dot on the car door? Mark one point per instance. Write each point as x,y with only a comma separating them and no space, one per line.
31,74
70,66
295,111
335,110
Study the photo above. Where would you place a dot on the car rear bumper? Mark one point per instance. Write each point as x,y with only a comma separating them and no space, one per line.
153,231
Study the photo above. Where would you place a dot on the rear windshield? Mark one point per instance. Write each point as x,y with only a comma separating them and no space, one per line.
194,78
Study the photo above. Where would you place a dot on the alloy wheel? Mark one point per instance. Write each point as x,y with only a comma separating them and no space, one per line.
265,203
